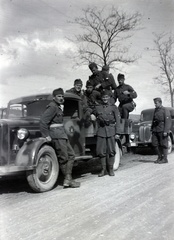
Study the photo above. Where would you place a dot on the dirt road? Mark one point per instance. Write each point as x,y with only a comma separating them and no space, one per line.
136,204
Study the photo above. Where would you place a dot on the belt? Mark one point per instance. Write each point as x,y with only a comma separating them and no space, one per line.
55,125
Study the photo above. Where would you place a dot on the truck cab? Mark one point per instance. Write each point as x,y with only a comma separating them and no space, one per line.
24,150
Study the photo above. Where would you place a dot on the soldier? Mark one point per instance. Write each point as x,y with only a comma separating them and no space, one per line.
161,124
52,128
110,83
93,97
77,89
108,127
125,95
96,78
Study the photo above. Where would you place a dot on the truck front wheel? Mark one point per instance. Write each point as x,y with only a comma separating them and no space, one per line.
44,176
118,156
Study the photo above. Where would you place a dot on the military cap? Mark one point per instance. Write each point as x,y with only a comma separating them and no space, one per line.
157,99
78,81
92,65
120,76
105,68
88,83
57,92
105,92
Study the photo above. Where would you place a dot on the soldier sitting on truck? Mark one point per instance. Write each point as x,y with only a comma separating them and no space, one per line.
125,95
77,89
108,120
93,97
52,128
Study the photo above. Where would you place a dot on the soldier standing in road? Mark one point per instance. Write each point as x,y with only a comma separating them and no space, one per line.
52,128
108,127
161,125
125,95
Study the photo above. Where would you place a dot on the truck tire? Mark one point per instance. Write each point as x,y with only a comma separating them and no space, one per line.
169,145
118,156
44,176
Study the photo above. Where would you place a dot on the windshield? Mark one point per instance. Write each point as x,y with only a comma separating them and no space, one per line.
147,115
27,109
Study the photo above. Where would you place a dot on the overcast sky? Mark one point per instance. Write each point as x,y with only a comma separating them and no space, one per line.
35,50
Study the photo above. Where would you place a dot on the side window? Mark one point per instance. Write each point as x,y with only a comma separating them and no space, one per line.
71,109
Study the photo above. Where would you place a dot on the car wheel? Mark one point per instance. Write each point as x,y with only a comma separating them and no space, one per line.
118,156
44,176
169,145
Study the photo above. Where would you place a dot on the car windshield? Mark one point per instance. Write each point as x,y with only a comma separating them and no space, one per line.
27,109
147,115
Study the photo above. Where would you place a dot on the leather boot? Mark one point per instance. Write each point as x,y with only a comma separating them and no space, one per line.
110,164
111,171
103,171
164,160
157,150
68,181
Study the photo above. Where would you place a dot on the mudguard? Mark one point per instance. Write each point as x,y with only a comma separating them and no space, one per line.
26,156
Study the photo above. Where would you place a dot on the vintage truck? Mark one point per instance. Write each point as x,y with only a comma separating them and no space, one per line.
141,131
24,150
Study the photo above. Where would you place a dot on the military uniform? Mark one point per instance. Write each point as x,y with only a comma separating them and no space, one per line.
108,126
86,109
126,101
51,124
93,98
161,124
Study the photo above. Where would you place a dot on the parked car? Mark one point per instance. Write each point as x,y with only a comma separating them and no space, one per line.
24,150
141,135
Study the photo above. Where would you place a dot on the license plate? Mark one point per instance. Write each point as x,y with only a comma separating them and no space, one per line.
133,144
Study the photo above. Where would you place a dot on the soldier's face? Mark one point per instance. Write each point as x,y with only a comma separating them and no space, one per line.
78,87
59,98
89,89
94,70
157,104
105,99
120,81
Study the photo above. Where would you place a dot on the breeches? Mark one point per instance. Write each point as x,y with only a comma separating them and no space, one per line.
159,140
105,146
125,109
64,151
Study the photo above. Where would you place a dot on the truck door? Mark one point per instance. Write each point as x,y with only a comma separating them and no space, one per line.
74,126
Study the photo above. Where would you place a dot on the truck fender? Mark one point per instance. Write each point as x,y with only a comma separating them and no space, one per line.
28,152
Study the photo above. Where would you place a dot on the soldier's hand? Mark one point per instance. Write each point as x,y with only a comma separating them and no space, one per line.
165,134
117,136
48,138
93,117
126,92
97,86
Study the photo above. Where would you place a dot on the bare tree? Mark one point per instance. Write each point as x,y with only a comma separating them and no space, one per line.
104,35
165,48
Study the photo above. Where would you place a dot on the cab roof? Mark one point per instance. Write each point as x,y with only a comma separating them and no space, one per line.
42,96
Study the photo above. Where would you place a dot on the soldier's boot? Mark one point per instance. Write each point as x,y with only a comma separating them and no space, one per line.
164,159
68,181
103,171
111,171
157,150
111,160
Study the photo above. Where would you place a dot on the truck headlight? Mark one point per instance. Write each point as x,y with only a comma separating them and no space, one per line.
132,136
22,133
